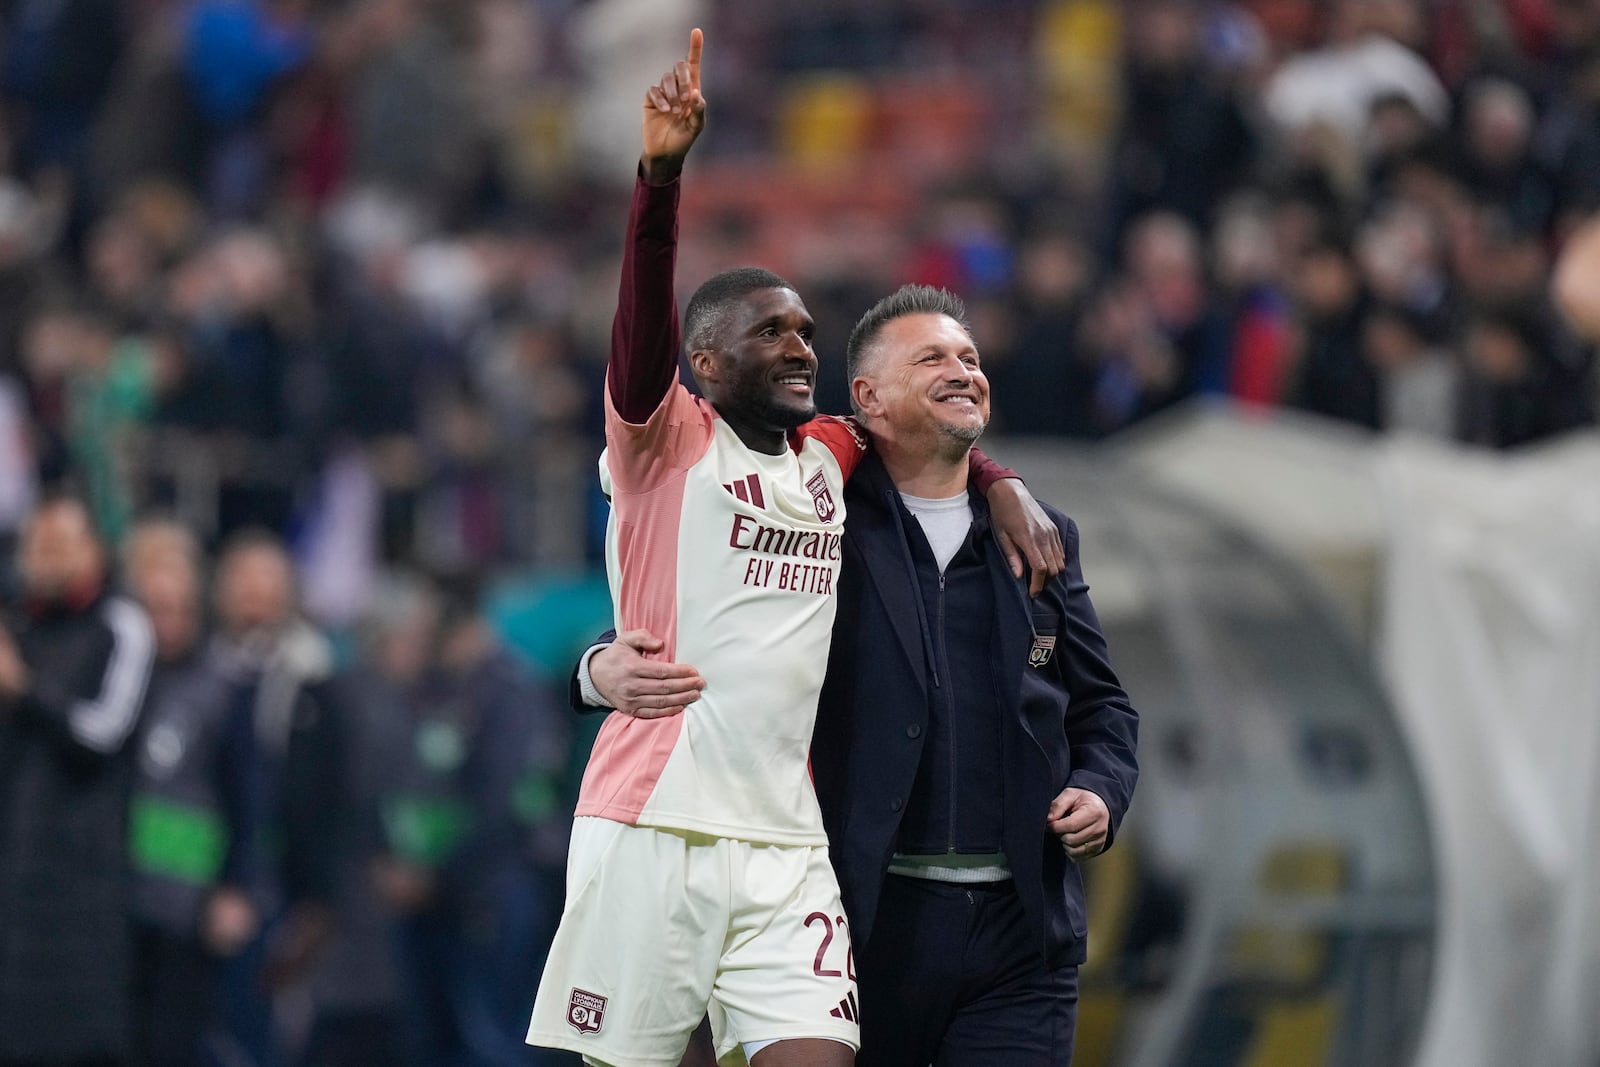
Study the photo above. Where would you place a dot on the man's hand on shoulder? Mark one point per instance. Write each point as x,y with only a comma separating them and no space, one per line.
674,115
1081,821
1026,532
643,688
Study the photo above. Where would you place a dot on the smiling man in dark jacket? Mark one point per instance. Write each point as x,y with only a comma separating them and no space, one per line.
973,744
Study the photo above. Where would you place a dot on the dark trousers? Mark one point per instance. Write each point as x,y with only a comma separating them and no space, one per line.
247,1025
175,984
954,976
471,971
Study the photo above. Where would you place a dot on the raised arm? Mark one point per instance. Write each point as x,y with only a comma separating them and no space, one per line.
645,335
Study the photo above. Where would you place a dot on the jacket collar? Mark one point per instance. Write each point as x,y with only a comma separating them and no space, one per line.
876,526
873,526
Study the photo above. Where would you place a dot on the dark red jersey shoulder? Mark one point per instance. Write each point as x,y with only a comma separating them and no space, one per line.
841,436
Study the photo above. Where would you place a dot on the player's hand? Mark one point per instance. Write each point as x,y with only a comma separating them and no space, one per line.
643,688
1081,821
1025,530
674,115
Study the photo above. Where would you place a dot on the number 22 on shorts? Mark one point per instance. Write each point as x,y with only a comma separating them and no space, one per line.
820,966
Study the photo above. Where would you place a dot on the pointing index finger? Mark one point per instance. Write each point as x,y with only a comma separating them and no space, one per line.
696,44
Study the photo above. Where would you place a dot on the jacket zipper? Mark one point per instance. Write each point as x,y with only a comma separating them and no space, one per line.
949,712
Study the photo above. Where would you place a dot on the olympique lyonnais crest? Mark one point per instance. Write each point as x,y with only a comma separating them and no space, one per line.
822,496
1043,646
586,1011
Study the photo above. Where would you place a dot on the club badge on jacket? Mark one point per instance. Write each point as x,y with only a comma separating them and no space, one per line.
1043,646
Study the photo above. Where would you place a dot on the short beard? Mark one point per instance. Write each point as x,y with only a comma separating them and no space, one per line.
752,398
957,441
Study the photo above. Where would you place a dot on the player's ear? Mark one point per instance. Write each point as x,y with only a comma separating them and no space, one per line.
703,364
865,398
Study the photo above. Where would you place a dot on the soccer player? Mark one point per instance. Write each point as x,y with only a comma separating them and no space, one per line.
698,873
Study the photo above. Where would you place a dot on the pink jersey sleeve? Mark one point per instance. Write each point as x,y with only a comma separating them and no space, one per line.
841,436
644,455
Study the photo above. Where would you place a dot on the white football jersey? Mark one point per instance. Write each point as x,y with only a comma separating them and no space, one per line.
731,556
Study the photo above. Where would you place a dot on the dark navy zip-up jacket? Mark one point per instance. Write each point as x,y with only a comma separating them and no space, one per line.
1064,718
962,741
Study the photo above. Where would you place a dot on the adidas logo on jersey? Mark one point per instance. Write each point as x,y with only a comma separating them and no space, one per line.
747,489
847,1007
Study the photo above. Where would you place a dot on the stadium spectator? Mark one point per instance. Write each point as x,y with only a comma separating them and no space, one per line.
284,747
1044,383
1498,161
1249,279
1522,386
58,58
74,663
182,806
356,983
477,755
235,54
1321,99
1419,383
1333,378
1164,261
1184,143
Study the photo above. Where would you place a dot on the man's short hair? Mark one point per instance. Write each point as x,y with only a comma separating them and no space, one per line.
254,539
161,537
906,300
711,306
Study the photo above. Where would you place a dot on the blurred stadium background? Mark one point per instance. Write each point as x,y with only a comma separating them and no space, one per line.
1263,292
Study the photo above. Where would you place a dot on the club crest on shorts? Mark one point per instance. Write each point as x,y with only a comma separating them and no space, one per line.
822,496
586,1012
1043,646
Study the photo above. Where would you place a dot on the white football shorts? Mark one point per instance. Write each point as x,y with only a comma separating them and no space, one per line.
664,926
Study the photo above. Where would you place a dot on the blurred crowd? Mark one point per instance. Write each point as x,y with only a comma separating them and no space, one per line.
327,285
344,268
226,839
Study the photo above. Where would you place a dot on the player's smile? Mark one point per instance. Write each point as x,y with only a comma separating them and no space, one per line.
798,380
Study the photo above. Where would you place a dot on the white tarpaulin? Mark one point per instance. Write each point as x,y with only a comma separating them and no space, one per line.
1488,633
1490,638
